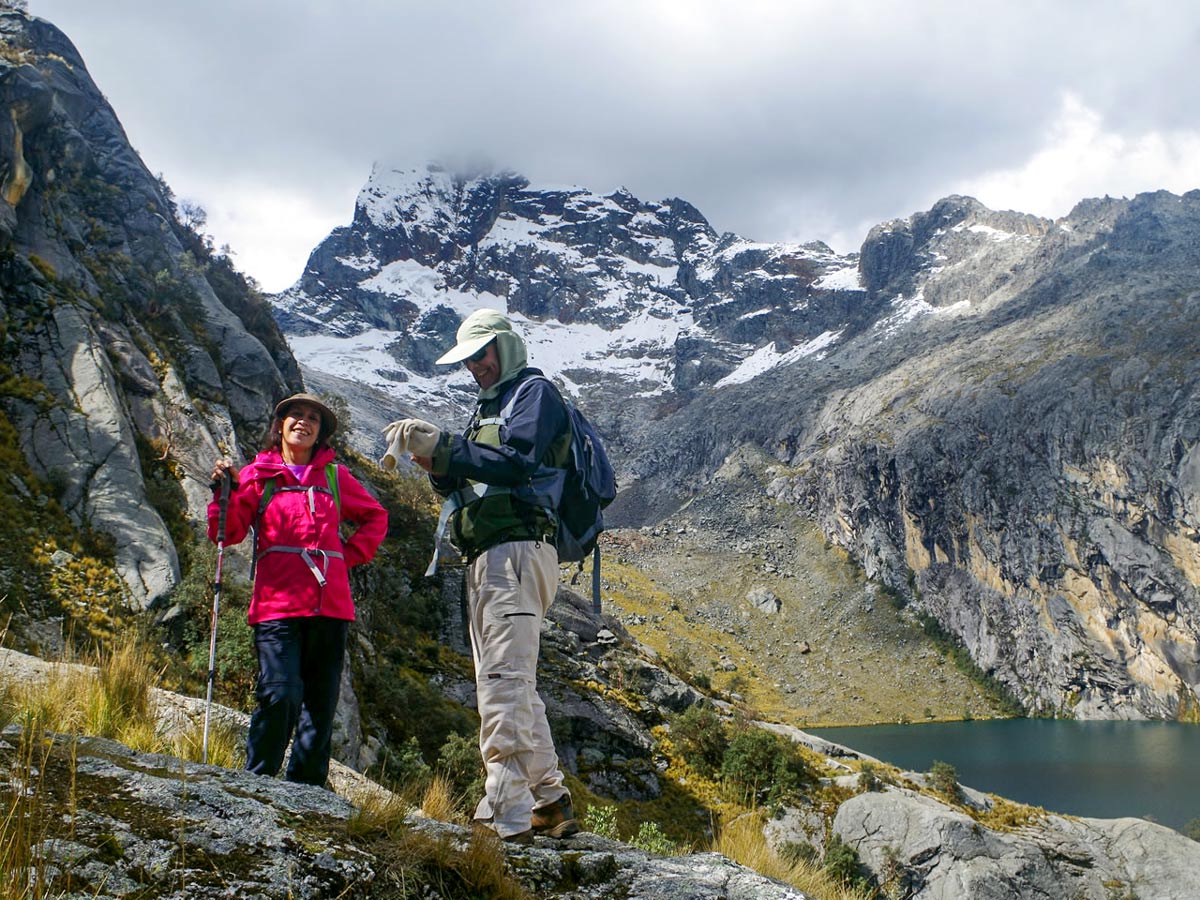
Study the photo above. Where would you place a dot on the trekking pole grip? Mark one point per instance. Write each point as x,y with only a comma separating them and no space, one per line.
226,483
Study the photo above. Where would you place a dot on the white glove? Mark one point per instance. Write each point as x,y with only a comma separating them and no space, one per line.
420,437
393,434
417,436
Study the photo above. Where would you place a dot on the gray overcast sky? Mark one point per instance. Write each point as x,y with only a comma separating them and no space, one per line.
781,120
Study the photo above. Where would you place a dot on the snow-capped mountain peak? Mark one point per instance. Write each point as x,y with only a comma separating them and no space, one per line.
642,298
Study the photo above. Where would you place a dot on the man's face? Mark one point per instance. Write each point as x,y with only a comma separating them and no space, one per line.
486,369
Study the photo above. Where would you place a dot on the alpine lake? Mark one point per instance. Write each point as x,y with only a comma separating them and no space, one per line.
1105,770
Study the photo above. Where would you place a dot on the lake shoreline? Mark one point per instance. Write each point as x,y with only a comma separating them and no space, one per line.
1097,769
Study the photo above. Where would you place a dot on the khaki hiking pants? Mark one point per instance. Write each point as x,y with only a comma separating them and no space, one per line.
509,589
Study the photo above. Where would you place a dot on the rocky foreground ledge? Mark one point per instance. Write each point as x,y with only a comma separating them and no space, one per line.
109,822
113,823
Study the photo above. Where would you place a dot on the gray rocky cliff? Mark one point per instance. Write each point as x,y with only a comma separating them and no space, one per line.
1011,445
115,334
1029,461
994,413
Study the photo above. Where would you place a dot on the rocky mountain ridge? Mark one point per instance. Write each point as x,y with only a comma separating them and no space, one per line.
119,327
994,413
619,298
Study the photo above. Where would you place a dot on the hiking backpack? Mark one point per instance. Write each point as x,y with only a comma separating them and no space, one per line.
270,487
573,496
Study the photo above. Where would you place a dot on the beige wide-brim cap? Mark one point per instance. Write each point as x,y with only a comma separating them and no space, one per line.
477,331
327,417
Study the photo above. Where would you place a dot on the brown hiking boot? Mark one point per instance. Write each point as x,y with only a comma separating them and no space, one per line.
487,826
555,820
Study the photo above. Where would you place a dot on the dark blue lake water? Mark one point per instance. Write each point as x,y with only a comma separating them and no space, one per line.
1100,769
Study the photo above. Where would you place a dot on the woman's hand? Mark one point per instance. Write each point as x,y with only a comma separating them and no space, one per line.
220,468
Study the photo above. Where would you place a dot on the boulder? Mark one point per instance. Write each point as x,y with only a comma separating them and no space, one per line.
764,600
935,852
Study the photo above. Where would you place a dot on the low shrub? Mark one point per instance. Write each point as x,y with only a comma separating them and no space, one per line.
870,778
943,778
842,863
650,838
461,765
601,820
1192,829
404,766
700,736
760,766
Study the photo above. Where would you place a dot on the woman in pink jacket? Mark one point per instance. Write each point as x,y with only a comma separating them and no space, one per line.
295,496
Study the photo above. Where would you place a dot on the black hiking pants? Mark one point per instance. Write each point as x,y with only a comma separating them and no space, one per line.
299,676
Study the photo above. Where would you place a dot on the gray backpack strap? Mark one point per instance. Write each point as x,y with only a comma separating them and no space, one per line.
456,500
307,554
271,487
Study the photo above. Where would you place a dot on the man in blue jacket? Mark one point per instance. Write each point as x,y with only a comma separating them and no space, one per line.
513,566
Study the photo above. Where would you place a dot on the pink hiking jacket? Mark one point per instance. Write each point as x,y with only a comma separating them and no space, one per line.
288,583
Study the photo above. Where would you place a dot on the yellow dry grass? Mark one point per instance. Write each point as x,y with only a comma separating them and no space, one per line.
111,700
742,841
226,745
442,802
377,813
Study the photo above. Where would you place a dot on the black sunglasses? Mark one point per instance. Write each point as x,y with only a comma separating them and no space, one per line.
478,355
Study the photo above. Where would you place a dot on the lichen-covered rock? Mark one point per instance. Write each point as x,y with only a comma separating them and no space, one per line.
934,852
124,822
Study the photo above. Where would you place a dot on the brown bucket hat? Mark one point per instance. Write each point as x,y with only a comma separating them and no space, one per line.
329,422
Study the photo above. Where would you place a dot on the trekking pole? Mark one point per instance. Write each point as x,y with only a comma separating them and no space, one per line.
212,642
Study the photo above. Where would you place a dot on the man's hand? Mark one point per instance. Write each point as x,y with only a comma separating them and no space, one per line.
417,436
420,437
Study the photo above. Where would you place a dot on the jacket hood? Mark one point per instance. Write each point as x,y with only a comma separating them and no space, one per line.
479,329
511,350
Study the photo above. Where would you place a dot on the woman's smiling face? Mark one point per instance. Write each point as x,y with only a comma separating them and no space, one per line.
300,429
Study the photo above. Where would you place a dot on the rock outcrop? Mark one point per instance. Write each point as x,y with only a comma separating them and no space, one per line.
112,823
106,821
114,332
929,851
